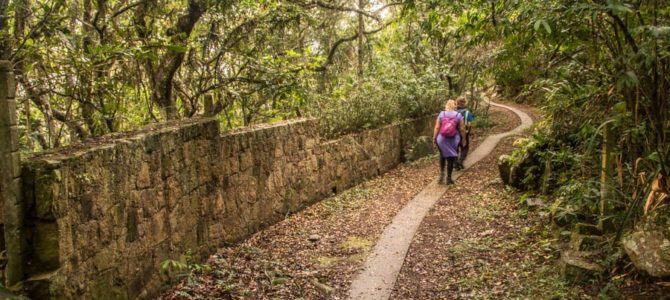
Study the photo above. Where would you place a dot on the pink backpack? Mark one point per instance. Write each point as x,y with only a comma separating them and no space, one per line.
448,126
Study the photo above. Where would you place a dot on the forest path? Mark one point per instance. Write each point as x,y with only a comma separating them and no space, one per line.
378,276
316,252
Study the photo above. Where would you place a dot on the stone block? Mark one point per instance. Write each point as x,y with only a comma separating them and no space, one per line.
46,191
579,266
16,165
245,161
13,114
588,229
105,286
45,247
7,90
13,210
8,114
144,176
44,286
11,90
4,120
104,259
132,233
582,242
14,138
216,231
278,151
310,143
504,168
5,146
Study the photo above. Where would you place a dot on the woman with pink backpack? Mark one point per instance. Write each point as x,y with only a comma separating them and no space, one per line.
447,134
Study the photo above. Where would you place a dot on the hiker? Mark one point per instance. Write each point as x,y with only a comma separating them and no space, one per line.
464,147
446,136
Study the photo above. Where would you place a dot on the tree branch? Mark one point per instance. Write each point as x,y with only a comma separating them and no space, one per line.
341,41
341,8
127,8
37,97
629,38
329,6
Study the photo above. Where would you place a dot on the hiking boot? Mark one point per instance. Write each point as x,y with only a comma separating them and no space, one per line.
450,181
440,180
444,179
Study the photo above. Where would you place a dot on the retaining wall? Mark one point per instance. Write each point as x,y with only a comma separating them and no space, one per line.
101,217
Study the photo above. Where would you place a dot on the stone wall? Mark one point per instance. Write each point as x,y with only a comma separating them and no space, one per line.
11,215
101,217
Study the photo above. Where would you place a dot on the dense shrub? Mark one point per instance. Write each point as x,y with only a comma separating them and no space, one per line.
392,93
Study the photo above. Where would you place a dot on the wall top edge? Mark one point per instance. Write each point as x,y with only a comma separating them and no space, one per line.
110,140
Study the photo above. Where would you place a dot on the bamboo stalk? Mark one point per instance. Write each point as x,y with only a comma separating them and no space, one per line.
607,169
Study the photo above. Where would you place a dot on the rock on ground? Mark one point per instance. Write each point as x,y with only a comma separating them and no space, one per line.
648,246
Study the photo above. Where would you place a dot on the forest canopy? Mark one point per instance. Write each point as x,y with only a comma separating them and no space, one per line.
86,68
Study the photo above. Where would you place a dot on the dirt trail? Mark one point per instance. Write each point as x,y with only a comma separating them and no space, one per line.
315,253
480,242
381,269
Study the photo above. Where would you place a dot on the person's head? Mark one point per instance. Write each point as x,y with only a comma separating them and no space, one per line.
462,101
451,105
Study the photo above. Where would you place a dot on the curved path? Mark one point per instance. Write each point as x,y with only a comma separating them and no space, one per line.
378,276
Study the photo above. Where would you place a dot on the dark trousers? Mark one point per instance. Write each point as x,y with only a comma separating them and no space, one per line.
463,150
450,165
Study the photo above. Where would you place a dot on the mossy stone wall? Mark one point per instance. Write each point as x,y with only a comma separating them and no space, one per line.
101,217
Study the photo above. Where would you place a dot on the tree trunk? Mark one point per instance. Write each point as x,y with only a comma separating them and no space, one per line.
34,93
493,12
162,72
361,38
86,80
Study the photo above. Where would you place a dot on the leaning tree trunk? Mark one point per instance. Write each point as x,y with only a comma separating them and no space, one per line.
161,94
162,71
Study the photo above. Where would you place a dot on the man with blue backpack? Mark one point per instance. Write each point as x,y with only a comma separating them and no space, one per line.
464,147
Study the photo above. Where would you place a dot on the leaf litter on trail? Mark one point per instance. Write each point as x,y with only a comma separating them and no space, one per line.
472,244
282,262
314,253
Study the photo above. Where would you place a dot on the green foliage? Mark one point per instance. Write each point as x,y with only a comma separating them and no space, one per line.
484,122
185,267
576,201
393,94
88,70
591,67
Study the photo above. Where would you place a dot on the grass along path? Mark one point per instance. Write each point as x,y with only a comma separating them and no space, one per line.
282,262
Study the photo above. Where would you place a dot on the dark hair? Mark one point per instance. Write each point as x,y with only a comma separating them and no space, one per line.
461,101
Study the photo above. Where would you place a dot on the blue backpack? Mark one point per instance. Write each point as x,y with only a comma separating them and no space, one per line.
467,115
